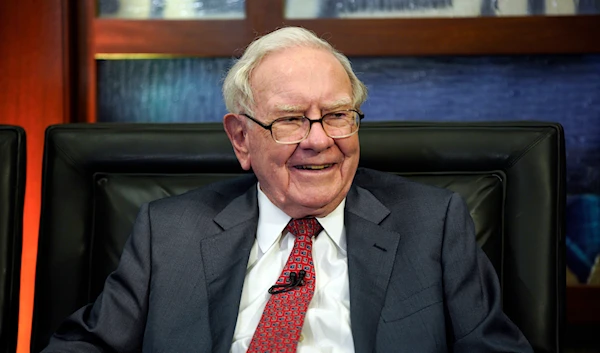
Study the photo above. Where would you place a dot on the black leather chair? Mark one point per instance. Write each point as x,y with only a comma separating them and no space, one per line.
512,176
12,194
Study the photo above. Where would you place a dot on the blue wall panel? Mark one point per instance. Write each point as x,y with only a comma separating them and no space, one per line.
161,90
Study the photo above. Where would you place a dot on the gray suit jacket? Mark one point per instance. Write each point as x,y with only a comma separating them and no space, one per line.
418,281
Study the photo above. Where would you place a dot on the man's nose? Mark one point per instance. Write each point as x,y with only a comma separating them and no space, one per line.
317,139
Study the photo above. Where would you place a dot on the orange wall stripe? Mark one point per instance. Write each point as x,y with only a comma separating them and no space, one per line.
34,94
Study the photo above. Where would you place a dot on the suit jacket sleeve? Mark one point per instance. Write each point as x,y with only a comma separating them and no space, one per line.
472,292
116,321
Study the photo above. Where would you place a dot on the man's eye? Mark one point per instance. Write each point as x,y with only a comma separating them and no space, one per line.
339,115
290,120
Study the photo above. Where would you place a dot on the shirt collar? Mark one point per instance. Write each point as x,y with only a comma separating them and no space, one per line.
272,222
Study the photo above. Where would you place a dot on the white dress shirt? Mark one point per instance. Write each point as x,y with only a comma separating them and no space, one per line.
327,324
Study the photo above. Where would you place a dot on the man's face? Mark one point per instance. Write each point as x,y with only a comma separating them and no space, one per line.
312,177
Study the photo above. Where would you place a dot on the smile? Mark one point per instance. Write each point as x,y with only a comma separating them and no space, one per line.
313,167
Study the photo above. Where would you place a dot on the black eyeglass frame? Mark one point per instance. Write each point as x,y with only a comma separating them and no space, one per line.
269,127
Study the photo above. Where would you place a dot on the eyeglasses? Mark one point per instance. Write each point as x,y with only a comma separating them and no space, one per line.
294,129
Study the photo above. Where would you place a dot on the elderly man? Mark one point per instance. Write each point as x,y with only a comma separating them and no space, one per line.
308,254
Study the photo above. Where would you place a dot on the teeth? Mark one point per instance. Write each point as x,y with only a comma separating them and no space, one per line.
313,167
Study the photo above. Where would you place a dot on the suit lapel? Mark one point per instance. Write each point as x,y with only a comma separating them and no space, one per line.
371,254
225,258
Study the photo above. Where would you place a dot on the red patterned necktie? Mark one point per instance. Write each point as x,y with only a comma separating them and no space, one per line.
281,322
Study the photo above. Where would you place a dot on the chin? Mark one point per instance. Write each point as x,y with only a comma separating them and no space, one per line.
318,202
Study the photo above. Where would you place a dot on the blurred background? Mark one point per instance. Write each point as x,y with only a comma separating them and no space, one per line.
436,60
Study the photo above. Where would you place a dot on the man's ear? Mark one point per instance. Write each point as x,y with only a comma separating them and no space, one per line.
236,129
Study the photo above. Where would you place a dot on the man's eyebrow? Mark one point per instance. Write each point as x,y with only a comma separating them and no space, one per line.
344,102
286,108
289,108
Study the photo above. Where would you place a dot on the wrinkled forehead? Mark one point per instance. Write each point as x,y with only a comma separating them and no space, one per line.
287,78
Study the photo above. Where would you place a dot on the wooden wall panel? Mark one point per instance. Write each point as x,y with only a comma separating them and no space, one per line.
33,83
358,37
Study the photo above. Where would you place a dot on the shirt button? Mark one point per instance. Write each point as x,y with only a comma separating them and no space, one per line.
301,338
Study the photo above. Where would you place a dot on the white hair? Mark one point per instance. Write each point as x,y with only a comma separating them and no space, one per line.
237,91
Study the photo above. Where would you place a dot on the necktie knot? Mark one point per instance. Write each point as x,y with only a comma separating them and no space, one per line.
304,226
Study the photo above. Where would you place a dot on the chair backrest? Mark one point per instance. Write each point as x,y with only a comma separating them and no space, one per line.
511,175
12,194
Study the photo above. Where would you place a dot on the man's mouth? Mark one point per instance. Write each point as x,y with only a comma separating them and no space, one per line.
313,167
